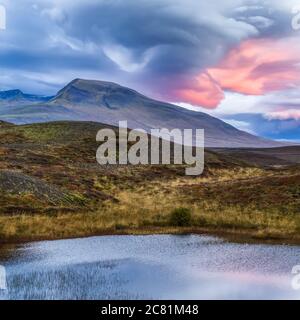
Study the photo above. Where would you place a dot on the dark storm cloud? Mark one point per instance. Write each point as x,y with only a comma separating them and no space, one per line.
126,40
152,45
184,36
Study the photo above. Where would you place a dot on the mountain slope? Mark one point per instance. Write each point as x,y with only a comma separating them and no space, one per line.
109,103
17,98
52,165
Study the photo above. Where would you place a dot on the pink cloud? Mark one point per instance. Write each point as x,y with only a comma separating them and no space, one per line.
204,91
260,66
290,114
255,67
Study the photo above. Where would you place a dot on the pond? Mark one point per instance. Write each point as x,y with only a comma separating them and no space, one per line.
148,267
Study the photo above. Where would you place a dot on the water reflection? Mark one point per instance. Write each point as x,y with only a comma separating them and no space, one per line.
149,267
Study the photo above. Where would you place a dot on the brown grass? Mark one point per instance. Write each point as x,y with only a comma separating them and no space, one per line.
147,209
230,198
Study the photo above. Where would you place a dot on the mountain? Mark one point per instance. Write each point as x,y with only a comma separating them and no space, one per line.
17,97
106,102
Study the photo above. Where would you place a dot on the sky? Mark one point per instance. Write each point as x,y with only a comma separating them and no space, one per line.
238,60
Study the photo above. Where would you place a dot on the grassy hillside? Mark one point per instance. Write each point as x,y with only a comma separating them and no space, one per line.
276,157
52,187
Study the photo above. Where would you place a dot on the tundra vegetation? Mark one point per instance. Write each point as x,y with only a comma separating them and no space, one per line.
52,187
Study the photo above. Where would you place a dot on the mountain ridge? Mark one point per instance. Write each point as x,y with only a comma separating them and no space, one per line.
18,97
109,103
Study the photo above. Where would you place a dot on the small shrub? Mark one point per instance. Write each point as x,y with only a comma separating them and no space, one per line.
181,217
120,226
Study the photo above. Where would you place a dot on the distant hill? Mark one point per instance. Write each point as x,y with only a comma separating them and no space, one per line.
52,166
4,124
17,98
109,103
270,157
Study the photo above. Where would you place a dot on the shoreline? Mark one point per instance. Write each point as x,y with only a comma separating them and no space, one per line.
236,236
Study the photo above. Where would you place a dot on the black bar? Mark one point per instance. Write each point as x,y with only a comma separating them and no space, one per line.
146,309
